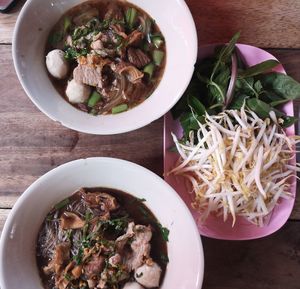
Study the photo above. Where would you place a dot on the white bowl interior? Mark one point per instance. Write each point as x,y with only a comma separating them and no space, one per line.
17,247
32,28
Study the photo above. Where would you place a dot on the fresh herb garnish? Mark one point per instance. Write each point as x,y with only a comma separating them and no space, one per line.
164,258
55,38
68,277
164,232
62,204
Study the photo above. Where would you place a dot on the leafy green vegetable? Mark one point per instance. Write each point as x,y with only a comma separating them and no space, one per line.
164,231
261,108
67,24
256,87
131,16
259,68
72,53
55,38
281,84
62,204
119,224
164,258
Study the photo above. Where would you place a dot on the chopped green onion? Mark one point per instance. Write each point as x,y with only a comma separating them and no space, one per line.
93,111
149,69
147,29
131,16
55,38
67,24
157,41
164,232
62,204
158,57
119,108
94,98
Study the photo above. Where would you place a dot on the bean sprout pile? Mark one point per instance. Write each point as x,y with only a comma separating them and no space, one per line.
238,165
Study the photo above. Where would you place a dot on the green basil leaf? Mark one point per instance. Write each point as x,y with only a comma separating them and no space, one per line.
245,86
279,102
238,101
258,86
189,122
281,84
259,68
227,50
55,38
261,108
196,105
288,121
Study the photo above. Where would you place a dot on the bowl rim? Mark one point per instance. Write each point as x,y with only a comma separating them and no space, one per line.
100,161
133,125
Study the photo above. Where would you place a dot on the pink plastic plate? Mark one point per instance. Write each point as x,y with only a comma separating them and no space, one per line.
214,227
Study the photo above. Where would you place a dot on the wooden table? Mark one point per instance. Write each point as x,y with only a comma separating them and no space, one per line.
31,144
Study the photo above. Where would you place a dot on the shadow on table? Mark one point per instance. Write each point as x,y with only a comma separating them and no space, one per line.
268,263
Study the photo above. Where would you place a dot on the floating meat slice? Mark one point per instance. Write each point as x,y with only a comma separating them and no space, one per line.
132,73
105,201
94,266
76,271
119,29
113,12
140,246
115,260
148,275
89,70
134,38
60,257
122,240
70,220
137,57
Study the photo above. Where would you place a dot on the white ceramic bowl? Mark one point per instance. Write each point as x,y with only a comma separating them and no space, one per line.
32,28
18,267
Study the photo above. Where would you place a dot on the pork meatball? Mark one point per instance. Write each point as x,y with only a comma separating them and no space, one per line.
77,92
148,275
132,285
56,64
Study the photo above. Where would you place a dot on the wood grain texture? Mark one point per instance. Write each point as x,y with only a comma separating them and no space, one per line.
8,21
268,23
3,217
268,263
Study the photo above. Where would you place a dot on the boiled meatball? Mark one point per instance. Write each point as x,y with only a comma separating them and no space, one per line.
132,285
148,275
56,64
77,92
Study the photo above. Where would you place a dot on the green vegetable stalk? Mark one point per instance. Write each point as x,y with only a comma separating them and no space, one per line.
257,87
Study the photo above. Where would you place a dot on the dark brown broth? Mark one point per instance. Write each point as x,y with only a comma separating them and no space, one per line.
136,210
101,5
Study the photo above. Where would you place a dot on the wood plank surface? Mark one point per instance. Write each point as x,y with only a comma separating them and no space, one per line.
268,23
268,263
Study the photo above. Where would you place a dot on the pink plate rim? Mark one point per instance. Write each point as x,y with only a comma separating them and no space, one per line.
215,227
